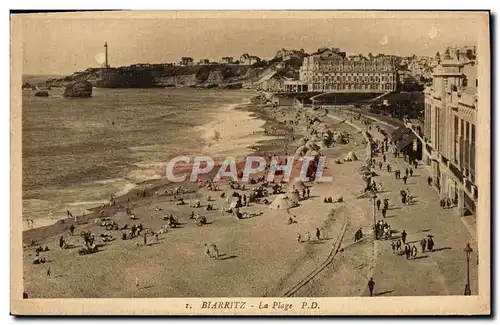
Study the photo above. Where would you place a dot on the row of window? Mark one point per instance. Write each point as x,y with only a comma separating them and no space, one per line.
352,79
324,67
330,86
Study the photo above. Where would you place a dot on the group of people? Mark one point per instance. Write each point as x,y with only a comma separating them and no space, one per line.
307,236
447,203
406,197
382,230
384,208
212,251
412,251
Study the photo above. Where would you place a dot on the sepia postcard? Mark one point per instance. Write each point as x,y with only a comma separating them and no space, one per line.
250,163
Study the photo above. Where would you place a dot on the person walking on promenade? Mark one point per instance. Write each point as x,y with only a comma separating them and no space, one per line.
388,168
423,244
371,286
405,178
411,172
380,165
407,172
393,246
429,181
384,158
378,204
386,204
308,192
384,212
403,236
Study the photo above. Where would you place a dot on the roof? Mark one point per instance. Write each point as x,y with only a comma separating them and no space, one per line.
405,141
399,133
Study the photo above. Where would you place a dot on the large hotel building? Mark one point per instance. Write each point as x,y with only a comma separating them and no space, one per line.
449,134
329,70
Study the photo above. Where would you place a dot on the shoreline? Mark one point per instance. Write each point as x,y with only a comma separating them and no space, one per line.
51,227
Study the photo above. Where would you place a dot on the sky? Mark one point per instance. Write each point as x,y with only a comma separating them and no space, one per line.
58,45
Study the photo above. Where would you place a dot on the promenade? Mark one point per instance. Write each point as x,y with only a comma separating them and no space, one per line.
441,272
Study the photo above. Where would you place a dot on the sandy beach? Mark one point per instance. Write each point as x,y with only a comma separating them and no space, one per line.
260,255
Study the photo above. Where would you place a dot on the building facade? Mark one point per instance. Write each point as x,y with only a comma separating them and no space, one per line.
449,134
329,70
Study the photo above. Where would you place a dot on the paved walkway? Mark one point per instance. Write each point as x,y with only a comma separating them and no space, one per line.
442,272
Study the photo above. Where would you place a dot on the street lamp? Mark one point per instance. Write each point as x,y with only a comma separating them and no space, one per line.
374,196
467,251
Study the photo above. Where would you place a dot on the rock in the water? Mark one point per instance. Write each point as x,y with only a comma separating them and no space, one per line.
78,89
42,93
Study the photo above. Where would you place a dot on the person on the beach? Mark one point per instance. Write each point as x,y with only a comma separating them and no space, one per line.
423,244
72,229
393,246
308,236
136,282
207,251
414,251
403,236
371,286
145,239
299,238
318,234
398,245
216,251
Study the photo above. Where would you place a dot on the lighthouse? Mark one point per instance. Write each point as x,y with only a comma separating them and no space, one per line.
106,64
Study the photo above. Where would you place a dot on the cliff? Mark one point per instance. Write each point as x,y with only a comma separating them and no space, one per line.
151,76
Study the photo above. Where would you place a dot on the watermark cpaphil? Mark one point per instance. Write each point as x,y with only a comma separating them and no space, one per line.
307,168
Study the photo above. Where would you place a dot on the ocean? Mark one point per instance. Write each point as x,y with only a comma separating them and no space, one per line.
79,152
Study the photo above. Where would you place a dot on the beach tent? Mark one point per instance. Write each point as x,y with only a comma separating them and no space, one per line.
283,202
293,194
351,156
